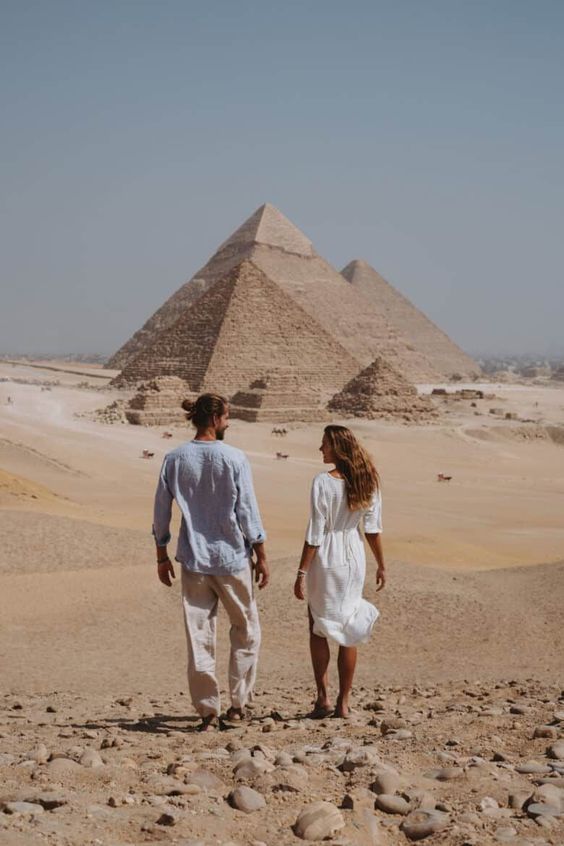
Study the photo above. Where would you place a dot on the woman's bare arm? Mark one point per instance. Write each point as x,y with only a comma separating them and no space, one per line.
308,554
375,543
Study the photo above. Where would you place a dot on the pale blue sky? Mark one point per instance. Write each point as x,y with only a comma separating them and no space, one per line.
425,136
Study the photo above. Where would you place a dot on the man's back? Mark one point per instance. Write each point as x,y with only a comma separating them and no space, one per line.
212,485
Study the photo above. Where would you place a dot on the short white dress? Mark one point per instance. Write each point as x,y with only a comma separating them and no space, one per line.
335,579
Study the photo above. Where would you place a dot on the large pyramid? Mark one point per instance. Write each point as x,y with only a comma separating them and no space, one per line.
379,391
286,256
243,329
442,353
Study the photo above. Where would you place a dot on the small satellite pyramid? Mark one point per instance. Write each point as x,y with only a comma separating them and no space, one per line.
442,354
379,391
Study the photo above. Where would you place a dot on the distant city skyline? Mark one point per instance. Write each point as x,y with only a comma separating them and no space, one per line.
426,139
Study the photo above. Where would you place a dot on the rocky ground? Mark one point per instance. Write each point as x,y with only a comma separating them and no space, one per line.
470,763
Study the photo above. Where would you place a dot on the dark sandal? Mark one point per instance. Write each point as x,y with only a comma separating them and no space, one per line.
234,715
319,712
209,723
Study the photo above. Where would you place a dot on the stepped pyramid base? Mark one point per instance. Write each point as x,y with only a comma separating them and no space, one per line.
278,398
149,418
159,402
280,415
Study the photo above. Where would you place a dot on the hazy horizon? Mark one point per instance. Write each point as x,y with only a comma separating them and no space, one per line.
556,354
424,138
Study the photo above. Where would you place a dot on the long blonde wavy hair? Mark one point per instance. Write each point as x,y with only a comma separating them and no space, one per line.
355,466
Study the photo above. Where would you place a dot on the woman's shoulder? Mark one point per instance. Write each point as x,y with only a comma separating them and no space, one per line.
325,481
376,499
321,480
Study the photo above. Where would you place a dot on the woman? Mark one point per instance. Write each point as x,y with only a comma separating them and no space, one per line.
333,561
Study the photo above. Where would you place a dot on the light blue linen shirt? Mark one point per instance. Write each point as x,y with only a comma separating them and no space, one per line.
212,485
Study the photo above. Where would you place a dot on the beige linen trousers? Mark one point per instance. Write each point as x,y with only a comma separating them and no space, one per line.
201,595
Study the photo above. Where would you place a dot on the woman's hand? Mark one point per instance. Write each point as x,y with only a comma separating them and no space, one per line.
299,592
380,577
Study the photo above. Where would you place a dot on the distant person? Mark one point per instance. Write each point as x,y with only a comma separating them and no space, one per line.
220,530
333,562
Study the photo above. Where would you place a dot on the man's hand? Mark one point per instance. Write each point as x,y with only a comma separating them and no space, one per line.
299,587
380,578
165,571
262,575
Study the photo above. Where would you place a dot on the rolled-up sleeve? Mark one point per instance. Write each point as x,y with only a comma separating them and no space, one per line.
163,509
373,515
246,506
318,512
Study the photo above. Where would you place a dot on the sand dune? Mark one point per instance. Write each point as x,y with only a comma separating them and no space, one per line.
16,491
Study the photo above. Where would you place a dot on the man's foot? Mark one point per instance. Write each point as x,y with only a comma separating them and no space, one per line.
209,723
234,715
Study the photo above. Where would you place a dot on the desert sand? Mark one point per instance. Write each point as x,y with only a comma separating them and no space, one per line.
464,672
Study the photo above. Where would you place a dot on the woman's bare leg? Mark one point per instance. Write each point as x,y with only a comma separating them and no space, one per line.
346,664
320,655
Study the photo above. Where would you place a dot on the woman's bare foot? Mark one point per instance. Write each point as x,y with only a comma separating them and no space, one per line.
342,710
320,710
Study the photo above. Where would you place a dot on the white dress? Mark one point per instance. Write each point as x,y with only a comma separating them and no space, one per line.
335,578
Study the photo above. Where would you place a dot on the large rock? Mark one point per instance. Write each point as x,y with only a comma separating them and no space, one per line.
22,808
246,799
543,809
385,782
250,768
556,750
318,821
363,757
206,780
420,824
532,768
392,804
91,758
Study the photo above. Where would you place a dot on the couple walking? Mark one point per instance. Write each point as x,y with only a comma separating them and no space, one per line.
221,546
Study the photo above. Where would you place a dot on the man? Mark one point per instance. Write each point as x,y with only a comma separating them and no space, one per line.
220,528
